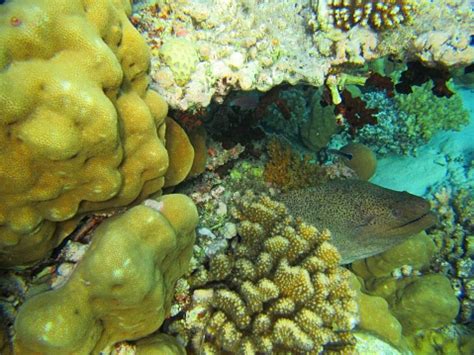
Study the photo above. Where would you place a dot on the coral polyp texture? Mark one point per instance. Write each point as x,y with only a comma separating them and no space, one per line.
279,289
80,130
121,290
378,14
247,45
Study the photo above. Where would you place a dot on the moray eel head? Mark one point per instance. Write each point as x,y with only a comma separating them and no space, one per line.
364,219
397,215
410,215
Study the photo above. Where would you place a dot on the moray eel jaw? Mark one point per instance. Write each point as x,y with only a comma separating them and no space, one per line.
411,215
415,225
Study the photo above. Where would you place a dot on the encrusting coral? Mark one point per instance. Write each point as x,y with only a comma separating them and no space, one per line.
121,290
180,65
248,45
80,130
279,288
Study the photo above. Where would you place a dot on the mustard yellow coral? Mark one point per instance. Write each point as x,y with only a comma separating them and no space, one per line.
80,130
121,289
279,289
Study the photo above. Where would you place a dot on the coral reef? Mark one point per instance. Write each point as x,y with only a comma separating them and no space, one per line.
431,113
417,74
395,131
406,121
80,129
320,125
418,299
368,343
414,254
451,339
378,14
279,288
289,170
197,137
159,344
181,65
359,158
355,113
426,302
297,103
454,240
258,45
121,289
375,316
155,344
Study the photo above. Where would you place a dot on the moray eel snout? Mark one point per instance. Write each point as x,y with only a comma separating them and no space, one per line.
410,214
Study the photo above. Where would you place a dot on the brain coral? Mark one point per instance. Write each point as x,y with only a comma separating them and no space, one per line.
80,130
121,290
280,289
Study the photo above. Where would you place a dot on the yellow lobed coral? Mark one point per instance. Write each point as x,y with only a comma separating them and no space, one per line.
417,300
121,289
180,151
378,14
361,159
80,130
279,289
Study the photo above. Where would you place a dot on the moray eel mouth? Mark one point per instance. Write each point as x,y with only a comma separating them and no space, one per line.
415,225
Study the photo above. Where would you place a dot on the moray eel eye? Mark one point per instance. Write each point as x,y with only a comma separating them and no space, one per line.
397,212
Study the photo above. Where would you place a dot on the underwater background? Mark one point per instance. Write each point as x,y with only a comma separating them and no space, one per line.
236,177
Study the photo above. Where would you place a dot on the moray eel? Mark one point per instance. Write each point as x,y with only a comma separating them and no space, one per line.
364,219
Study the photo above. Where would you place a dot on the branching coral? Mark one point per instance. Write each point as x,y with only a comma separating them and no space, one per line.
432,113
279,289
378,14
